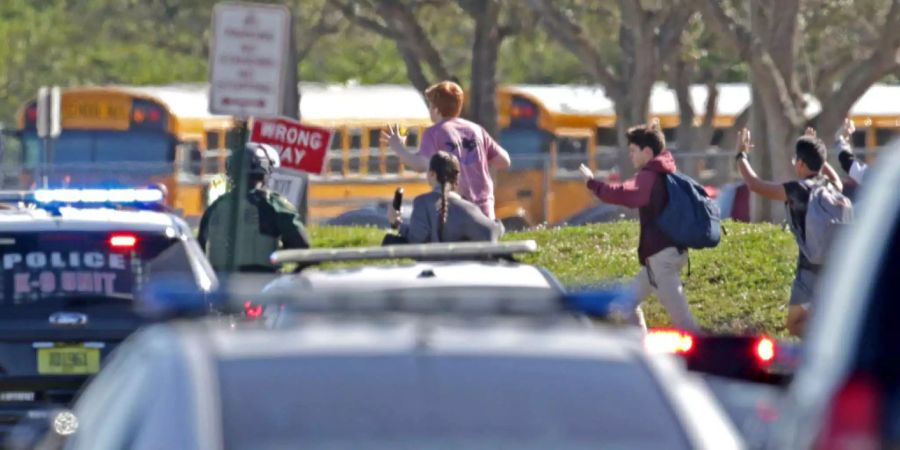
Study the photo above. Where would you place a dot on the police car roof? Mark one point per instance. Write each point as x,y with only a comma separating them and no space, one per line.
402,333
89,219
438,274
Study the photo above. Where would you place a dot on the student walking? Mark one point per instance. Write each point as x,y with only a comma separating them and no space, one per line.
814,206
475,149
660,257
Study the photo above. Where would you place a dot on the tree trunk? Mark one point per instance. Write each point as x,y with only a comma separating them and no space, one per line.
485,52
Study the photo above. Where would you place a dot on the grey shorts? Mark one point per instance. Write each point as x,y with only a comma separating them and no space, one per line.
803,288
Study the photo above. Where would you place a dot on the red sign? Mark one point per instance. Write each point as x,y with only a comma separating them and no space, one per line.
302,147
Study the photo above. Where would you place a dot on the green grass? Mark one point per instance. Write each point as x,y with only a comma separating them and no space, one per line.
740,286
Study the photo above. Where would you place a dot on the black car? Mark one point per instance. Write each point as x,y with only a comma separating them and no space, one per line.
68,293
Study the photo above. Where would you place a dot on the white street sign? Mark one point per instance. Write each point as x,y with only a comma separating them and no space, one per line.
48,109
247,60
289,185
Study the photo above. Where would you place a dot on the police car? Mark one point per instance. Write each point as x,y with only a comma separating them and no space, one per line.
74,261
476,267
388,367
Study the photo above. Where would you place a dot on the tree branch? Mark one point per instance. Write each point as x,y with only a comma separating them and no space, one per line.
350,12
570,35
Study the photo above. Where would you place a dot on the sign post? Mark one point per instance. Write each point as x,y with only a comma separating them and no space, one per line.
48,125
248,63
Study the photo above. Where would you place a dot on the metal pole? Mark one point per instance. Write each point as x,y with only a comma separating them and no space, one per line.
238,176
45,162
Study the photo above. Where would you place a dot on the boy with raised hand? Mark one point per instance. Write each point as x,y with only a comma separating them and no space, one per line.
811,168
660,258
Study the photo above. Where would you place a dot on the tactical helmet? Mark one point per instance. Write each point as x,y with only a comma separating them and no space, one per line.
260,159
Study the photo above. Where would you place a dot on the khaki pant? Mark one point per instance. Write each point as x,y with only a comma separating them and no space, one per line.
662,276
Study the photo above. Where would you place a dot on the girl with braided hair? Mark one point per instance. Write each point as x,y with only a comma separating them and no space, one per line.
442,215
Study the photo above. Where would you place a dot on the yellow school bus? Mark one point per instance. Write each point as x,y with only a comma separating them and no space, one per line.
550,130
129,136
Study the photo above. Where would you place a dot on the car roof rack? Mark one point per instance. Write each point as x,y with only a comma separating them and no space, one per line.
442,251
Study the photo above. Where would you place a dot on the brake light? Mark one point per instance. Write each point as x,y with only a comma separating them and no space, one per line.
668,341
852,420
252,311
765,350
31,113
123,241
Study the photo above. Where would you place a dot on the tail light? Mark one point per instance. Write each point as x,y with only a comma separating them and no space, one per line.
123,241
252,311
669,341
765,350
853,418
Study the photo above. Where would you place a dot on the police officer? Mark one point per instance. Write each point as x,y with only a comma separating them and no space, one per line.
266,216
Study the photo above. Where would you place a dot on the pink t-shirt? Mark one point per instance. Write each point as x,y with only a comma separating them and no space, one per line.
474,147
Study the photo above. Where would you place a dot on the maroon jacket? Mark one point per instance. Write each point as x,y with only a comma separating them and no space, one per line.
646,192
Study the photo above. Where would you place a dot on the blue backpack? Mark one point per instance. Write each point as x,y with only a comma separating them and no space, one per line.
691,219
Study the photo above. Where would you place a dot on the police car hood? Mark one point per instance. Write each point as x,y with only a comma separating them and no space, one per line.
486,274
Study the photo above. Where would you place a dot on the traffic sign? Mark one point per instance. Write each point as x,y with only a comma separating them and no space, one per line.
302,147
48,112
248,59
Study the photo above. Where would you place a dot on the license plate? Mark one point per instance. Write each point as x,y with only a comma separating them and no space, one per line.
68,360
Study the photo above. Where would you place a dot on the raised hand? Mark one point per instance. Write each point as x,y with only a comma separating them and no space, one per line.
393,137
586,172
745,143
847,130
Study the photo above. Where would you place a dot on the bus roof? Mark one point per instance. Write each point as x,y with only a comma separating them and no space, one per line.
334,104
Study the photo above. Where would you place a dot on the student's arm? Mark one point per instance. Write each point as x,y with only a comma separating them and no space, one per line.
633,193
767,189
414,160
832,176
497,156
480,227
290,227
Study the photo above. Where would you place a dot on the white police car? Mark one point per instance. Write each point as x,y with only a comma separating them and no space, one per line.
416,368
73,264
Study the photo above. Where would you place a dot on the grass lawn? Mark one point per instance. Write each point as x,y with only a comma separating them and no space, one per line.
741,285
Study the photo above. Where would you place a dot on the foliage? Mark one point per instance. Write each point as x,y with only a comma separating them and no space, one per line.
741,285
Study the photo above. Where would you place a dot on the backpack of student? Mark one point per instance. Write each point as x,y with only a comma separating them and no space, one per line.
691,219
827,211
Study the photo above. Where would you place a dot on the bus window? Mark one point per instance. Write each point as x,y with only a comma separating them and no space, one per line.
607,137
133,146
355,146
212,140
572,152
883,136
669,133
526,147
412,139
859,138
374,154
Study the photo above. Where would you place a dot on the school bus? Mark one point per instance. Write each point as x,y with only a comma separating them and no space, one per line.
133,136
550,130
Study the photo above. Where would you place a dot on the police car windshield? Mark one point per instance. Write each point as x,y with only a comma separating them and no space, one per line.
443,401
43,268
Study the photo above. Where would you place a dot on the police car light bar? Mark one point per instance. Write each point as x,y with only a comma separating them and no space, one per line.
456,250
84,196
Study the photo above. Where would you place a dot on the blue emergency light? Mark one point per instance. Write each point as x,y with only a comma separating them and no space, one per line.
143,196
98,196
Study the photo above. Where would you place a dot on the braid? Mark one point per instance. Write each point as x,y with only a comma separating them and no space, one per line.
446,169
445,191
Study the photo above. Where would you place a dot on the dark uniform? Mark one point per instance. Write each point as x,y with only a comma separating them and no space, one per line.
266,218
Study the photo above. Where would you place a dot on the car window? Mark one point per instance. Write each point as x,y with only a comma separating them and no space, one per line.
47,268
443,401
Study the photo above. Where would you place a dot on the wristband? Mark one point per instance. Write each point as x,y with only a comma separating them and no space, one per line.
740,155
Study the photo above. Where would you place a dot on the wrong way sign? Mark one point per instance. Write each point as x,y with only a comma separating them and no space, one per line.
302,148
248,59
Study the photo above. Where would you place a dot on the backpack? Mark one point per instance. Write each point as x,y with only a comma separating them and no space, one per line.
690,219
827,211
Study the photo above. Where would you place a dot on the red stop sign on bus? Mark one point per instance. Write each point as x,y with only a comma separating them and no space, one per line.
301,147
